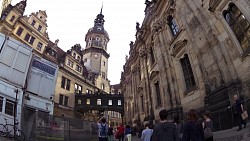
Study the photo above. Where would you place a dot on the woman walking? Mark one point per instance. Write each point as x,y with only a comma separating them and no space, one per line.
208,127
193,130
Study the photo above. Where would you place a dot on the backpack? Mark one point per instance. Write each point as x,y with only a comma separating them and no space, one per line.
103,131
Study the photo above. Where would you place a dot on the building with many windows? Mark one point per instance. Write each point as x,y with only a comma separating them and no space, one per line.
188,55
73,79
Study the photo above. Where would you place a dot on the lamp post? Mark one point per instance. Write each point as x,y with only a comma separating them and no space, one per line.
15,107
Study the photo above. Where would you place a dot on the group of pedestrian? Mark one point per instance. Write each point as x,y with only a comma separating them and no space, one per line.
107,133
194,129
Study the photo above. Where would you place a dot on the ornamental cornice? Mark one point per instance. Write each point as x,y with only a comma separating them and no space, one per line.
213,4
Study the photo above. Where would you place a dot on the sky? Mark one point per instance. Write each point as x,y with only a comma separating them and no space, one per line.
69,21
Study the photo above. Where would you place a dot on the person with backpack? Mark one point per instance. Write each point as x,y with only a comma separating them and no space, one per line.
193,130
103,129
127,133
165,131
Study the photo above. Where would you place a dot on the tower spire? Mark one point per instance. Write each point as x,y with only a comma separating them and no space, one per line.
100,18
101,9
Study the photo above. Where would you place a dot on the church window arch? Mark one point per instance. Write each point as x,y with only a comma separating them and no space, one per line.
239,25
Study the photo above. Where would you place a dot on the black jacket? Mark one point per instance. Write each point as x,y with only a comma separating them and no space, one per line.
165,131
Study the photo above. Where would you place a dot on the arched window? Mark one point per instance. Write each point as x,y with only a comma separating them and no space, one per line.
239,25
173,26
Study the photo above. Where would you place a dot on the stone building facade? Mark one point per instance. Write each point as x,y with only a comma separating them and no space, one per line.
187,55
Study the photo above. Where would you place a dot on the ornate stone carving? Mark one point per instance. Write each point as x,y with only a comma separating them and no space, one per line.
158,26
178,46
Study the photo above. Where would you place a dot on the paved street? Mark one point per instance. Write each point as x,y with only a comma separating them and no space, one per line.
226,135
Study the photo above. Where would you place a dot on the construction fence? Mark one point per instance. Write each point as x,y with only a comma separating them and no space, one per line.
39,126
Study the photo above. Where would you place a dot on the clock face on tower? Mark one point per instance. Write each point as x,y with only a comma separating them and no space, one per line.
96,55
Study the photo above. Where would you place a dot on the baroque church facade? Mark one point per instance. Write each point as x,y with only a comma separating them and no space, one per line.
188,55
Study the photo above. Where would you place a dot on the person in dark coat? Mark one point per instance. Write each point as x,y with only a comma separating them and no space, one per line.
193,130
238,111
165,131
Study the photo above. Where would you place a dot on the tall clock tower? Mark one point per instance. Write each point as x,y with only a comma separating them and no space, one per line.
95,54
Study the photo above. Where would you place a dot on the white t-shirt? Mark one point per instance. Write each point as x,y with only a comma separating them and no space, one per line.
146,134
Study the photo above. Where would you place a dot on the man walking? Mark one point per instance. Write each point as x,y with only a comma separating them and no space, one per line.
146,133
103,129
238,110
165,131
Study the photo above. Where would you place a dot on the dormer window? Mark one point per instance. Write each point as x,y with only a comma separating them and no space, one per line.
97,38
99,28
33,23
78,58
41,17
12,18
90,38
74,55
39,46
39,28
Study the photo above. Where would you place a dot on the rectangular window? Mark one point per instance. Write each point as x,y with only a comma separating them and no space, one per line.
27,37
68,85
60,99
187,72
39,46
78,68
9,107
65,83
88,102
66,99
1,104
70,63
19,31
33,23
99,102
78,89
39,28
32,39
103,75
119,102
110,102
158,93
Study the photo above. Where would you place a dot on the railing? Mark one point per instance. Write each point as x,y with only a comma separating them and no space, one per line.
225,119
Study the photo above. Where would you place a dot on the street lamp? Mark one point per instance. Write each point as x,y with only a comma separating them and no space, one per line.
15,108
